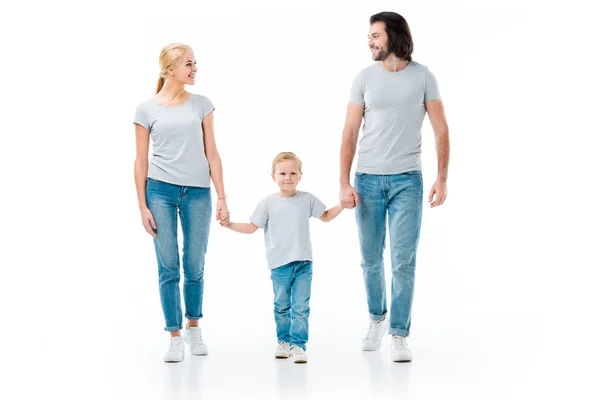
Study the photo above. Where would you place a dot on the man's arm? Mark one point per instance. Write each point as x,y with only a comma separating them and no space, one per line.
435,111
354,114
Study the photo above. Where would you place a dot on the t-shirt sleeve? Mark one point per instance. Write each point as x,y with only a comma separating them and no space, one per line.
141,117
206,107
357,91
432,91
260,217
317,208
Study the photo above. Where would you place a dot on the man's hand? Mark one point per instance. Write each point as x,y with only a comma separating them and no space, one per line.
348,197
440,192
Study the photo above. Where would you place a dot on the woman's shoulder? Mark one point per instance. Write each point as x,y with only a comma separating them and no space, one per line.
144,104
199,98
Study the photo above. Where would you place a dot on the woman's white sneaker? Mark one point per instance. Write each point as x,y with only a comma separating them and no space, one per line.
193,337
283,350
175,353
298,355
400,351
372,340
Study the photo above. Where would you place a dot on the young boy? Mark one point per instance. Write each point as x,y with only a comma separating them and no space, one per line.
284,216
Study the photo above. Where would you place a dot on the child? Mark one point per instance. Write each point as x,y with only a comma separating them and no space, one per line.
284,216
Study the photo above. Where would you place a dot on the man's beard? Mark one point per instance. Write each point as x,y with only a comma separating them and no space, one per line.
381,55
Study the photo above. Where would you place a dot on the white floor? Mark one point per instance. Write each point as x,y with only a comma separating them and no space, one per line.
482,360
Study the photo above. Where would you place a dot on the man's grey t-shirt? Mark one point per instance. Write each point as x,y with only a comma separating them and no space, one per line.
285,221
393,116
178,155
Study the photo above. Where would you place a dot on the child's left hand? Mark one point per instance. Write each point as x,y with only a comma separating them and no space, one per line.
224,218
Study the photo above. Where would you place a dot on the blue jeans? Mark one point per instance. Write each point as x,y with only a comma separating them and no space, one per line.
194,206
291,286
400,198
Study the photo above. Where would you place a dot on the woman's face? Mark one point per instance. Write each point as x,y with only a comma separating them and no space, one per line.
185,70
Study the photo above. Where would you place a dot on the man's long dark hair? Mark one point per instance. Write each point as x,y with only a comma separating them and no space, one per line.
399,38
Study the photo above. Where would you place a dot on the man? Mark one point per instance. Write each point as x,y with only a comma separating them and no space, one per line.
392,96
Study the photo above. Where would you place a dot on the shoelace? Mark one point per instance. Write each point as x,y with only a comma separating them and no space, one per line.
176,344
373,328
283,346
398,342
195,338
297,350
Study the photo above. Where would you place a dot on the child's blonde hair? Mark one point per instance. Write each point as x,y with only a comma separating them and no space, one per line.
286,155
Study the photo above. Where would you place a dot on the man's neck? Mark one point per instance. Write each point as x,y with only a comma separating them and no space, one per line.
393,63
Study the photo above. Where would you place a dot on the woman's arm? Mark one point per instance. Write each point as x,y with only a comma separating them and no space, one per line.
140,172
214,162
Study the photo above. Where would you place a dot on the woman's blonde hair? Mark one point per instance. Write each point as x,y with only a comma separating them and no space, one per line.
170,55
286,155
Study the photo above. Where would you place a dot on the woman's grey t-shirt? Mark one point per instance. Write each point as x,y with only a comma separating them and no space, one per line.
178,155
285,221
393,116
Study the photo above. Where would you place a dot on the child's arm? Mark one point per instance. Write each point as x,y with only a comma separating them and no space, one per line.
235,226
242,227
330,214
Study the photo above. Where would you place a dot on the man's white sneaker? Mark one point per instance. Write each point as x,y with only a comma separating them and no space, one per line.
283,350
400,351
175,353
372,341
193,337
298,355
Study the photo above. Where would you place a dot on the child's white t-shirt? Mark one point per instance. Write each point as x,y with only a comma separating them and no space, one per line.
285,221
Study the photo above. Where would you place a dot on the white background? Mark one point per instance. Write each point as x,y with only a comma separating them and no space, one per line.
506,290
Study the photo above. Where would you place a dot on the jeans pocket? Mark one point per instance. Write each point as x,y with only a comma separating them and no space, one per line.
359,174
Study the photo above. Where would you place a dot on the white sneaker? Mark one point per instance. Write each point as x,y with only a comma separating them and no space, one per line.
372,341
400,350
283,350
193,337
175,353
298,355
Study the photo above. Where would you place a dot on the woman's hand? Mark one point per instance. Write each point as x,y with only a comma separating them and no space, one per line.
148,222
222,209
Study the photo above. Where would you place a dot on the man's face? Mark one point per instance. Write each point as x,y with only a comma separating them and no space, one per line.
378,41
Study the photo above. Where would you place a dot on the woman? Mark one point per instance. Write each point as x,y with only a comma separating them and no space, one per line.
185,158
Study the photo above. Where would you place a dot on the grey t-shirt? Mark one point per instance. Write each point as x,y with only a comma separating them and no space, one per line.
178,155
285,221
394,112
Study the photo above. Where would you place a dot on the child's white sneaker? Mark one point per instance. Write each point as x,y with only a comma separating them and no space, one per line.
175,353
372,340
400,350
298,355
283,350
193,337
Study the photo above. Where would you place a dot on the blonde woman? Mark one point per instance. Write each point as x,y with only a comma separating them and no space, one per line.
177,180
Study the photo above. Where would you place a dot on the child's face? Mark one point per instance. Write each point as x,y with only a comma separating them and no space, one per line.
287,175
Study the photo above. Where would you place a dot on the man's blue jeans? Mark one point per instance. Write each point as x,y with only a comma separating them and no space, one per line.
398,197
291,286
194,205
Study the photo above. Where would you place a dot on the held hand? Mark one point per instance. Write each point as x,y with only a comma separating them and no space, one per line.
224,218
348,197
440,192
221,206
148,222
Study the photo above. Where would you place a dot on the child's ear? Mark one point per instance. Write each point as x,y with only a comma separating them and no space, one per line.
299,177
273,176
